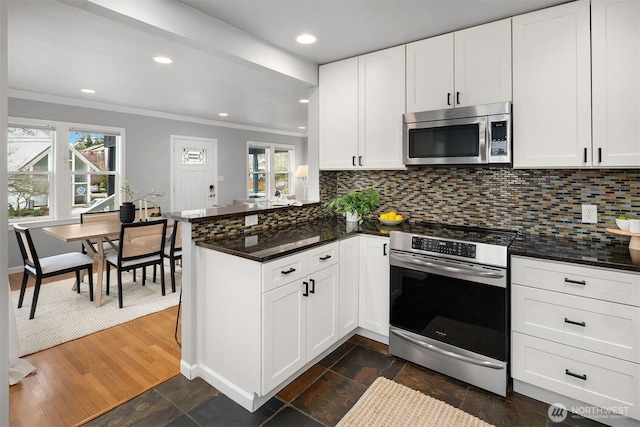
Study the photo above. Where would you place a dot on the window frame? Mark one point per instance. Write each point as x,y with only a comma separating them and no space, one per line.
60,175
270,169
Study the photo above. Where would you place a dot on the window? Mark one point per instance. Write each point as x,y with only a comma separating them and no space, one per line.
59,170
270,170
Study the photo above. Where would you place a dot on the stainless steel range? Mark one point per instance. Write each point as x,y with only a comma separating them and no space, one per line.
449,306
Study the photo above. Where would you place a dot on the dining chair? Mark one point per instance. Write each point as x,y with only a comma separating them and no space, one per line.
141,245
174,251
41,268
99,217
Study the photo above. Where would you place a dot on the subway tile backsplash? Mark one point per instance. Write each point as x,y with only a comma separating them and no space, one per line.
546,202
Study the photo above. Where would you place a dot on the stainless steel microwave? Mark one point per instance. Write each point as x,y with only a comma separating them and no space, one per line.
471,136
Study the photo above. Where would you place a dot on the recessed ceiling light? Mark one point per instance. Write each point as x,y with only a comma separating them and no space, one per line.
162,60
223,114
303,101
87,90
306,39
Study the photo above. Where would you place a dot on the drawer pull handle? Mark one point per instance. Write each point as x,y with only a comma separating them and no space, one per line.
571,374
575,282
306,289
324,258
313,286
573,322
289,271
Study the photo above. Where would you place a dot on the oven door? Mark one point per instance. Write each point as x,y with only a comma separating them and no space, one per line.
452,141
459,304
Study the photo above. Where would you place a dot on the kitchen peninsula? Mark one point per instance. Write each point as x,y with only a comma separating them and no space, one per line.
248,289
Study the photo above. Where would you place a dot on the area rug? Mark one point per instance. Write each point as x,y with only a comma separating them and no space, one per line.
63,315
387,403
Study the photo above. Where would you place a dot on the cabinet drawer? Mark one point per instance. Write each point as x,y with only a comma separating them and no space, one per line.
591,282
284,270
607,382
323,256
608,328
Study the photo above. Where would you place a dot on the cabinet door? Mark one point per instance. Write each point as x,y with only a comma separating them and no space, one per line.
483,64
615,33
381,94
552,87
430,74
284,333
322,310
349,261
374,284
338,108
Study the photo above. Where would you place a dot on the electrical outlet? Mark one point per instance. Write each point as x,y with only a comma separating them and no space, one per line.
250,220
590,214
250,241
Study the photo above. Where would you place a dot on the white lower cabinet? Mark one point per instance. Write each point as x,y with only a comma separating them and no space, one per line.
259,324
349,262
300,321
576,333
373,284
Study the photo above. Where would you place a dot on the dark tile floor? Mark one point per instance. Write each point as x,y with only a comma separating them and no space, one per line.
322,396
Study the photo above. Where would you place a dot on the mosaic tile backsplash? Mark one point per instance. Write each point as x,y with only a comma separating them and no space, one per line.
545,202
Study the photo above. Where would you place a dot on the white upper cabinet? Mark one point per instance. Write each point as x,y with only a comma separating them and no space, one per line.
361,107
381,105
338,100
468,67
430,74
615,38
552,87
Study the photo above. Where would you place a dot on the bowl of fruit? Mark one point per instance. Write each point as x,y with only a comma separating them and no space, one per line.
623,222
391,218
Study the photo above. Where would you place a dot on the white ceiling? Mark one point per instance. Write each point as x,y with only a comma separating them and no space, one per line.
256,75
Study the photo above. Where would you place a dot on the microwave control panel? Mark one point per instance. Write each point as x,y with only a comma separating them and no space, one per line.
499,140
465,250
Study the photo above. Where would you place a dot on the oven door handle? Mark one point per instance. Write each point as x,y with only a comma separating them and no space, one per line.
467,271
431,347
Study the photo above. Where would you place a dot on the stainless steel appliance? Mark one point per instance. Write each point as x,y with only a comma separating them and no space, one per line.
449,307
479,135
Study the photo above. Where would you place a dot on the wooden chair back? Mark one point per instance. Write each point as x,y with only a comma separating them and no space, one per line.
27,248
142,239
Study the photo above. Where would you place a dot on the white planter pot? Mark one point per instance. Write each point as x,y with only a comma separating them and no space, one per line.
352,217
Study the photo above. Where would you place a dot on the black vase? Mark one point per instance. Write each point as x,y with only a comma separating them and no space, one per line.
127,212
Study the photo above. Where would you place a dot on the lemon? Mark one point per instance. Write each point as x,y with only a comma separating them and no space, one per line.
384,216
398,217
391,214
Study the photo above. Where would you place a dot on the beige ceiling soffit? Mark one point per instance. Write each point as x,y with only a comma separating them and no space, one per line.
183,24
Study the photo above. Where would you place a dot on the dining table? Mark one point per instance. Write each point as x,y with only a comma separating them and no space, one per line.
95,234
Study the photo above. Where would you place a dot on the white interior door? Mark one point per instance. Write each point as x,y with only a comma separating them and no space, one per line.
194,173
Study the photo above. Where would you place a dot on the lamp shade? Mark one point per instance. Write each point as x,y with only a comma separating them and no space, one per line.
302,171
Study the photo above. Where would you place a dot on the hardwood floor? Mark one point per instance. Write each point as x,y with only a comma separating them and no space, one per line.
81,379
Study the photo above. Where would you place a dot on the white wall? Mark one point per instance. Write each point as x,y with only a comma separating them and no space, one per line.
148,156
4,301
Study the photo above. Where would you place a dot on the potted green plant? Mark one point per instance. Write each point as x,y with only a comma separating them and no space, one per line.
128,209
355,203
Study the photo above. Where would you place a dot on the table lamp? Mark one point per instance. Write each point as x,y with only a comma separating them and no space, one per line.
303,173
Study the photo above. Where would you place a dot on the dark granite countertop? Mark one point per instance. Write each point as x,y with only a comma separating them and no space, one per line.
594,253
274,243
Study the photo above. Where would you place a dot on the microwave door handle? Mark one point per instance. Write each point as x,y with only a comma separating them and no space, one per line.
450,269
